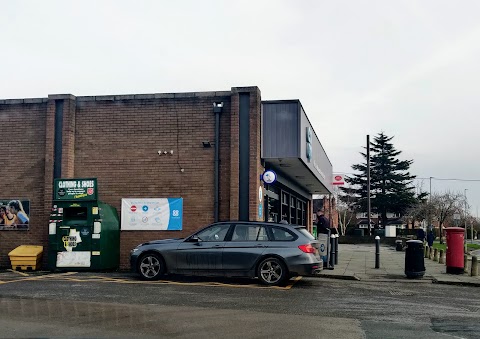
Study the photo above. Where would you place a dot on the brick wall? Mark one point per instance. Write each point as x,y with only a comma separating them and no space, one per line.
117,142
116,139
23,168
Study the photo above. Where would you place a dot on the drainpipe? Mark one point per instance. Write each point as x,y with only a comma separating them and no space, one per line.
217,109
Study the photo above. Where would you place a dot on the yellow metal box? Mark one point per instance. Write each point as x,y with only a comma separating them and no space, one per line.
26,257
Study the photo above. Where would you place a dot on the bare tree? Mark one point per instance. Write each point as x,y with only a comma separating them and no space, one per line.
444,205
416,213
345,208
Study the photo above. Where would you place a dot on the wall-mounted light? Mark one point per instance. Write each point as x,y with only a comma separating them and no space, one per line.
206,144
217,107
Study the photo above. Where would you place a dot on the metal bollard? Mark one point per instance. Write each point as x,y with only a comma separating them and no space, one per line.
474,266
336,249
332,251
441,259
426,251
377,252
430,253
435,254
465,263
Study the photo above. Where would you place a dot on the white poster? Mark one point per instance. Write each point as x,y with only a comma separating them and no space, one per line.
73,259
156,214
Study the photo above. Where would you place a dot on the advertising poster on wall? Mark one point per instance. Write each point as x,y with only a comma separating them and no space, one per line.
156,214
14,214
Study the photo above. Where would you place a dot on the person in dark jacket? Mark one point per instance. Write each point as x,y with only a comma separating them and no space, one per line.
430,238
421,234
323,224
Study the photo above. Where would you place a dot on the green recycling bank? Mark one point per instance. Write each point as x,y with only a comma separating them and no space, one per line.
84,233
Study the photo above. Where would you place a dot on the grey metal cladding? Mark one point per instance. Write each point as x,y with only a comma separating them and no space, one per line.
280,130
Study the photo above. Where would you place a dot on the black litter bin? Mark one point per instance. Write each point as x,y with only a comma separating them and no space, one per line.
398,245
414,261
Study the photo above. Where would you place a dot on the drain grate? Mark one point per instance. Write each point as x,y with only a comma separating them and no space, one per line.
401,293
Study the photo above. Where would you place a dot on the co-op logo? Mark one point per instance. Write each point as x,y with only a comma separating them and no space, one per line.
309,143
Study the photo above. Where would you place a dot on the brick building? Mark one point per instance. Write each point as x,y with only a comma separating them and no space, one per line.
121,140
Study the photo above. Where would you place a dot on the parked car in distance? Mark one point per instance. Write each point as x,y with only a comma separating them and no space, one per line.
271,252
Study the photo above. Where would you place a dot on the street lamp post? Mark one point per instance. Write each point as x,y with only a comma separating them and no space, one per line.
465,216
429,217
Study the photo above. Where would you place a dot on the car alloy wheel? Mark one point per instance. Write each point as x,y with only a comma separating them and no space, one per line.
150,266
271,271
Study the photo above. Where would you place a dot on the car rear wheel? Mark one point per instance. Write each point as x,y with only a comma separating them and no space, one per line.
271,271
151,266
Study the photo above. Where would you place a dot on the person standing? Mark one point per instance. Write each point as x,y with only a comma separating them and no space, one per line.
430,238
323,224
421,234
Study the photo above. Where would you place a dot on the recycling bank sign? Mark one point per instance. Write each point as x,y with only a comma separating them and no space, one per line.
156,214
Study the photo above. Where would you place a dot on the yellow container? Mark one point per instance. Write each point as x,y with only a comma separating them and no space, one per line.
26,257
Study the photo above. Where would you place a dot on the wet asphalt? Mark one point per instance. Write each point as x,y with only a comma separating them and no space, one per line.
114,305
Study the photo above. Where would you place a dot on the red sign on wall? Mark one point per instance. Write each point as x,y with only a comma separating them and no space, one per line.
338,180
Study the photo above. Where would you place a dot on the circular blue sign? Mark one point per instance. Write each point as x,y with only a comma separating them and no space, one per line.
269,177
145,208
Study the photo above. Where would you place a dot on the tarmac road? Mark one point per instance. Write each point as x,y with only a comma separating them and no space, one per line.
83,305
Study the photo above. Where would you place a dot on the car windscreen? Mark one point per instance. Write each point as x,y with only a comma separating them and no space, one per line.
306,233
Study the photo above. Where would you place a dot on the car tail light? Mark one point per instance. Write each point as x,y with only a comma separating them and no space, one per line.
308,248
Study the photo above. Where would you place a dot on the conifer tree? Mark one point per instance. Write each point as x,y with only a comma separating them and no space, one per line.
391,188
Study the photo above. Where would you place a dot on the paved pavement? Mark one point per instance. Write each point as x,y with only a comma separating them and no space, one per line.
357,262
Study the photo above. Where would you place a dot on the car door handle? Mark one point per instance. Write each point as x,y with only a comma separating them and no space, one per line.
217,246
259,245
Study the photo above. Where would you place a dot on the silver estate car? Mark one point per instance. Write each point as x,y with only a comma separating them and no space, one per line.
271,252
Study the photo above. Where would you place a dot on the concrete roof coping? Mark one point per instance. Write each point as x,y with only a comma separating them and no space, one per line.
104,98
34,100
88,98
185,95
223,93
125,97
61,96
119,97
13,101
164,95
144,96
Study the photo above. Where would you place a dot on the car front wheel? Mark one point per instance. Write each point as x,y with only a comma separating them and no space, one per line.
271,271
151,266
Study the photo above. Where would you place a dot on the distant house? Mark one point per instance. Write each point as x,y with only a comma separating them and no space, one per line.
376,220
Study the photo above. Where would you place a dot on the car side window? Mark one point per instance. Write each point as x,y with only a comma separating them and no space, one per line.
249,233
213,233
282,234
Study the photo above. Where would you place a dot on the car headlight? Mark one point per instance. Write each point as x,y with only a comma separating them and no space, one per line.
134,250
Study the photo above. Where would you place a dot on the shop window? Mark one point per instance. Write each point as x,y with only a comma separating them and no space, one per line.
285,209
293,211
304,214
273,206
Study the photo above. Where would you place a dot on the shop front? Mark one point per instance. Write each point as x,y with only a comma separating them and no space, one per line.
292,151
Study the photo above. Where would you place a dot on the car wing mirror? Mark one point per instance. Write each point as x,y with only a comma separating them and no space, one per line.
194,238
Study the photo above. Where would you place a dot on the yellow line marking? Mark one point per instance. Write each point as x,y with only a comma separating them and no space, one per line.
67,277
170,282
40,277
293,283
18,272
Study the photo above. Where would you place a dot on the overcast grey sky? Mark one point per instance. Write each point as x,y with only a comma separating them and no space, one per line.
408,68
